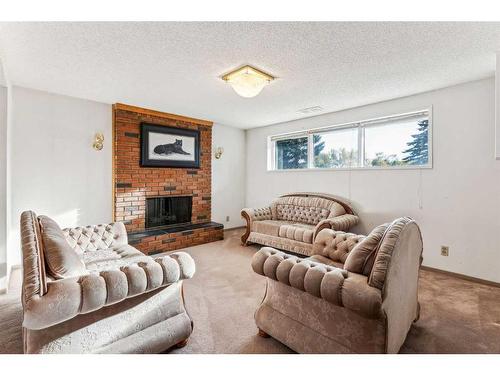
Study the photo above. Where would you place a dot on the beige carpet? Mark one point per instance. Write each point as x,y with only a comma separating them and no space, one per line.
11,316
457,316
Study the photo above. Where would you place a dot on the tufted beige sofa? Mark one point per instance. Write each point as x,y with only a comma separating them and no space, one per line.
292,221
356,294
123,301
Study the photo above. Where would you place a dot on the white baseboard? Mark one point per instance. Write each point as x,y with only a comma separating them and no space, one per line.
234,228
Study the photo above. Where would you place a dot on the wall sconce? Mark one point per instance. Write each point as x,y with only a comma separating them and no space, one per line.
98,142
218,152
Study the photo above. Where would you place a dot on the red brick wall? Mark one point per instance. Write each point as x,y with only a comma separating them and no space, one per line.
132,183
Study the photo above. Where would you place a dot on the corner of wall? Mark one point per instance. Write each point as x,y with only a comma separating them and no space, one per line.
497,107
3,175
245,180
3,78
229,174
10,259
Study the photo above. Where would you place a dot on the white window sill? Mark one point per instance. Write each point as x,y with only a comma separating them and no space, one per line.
401,167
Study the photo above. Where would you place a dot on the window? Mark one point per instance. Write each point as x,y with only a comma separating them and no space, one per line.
395,141
291,153
336,149
398,142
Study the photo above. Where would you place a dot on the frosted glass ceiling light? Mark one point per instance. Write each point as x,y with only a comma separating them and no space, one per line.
247,81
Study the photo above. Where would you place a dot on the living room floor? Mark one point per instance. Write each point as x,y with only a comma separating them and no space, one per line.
457,316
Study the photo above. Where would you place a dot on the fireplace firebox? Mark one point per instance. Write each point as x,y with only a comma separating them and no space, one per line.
163,211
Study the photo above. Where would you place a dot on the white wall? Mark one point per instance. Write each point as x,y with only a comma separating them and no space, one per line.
459,197
497,112
4,275
54,169
3,172
228,175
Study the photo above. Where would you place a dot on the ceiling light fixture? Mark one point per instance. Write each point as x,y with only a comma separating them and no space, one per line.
247,81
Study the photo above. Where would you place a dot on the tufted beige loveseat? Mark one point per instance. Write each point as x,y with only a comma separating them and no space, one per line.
356,294
122,301
292,221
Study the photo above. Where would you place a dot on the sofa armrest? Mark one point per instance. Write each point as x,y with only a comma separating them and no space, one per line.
396,272
67,298
254,214
334,285
337,223
96,237
34,277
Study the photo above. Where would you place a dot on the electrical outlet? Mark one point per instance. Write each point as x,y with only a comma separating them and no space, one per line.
227,218
445,251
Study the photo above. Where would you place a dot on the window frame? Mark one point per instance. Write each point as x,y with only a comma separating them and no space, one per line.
361,126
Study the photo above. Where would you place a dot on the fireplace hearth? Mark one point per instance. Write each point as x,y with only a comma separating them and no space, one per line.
168,211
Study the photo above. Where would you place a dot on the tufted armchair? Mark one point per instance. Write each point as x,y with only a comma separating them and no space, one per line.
355,294
98,294
292,221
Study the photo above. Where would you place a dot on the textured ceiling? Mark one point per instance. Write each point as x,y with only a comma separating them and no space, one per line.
175,67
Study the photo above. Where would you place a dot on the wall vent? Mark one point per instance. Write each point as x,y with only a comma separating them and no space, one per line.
308,110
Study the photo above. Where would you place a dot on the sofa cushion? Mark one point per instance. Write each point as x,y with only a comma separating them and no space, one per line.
269,227
61,260
113,258
297,232
360,259
324,260
281,243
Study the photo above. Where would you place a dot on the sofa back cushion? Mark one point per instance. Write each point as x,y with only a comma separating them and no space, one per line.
61,260
335,245
360,259
96,237
307,210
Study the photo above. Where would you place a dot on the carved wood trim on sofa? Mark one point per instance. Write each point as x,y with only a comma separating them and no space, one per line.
244,238
348,209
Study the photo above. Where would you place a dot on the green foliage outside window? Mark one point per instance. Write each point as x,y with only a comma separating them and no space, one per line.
291,153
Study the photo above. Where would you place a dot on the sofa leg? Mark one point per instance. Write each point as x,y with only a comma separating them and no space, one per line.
181,344
261,333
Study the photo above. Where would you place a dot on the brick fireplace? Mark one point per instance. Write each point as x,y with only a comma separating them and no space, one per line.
135,186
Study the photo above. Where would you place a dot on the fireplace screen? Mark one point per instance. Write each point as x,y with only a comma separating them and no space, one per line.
168,211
